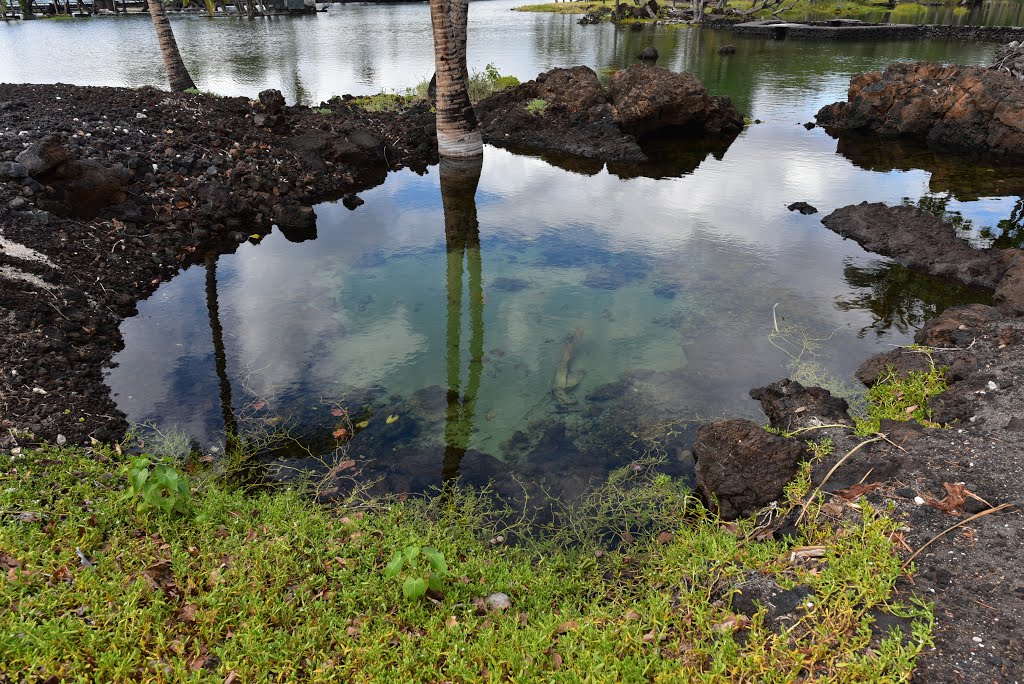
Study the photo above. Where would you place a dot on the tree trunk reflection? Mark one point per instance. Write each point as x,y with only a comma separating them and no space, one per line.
220,355
459,180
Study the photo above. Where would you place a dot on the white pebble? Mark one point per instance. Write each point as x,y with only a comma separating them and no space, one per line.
919,501
992,386
977,640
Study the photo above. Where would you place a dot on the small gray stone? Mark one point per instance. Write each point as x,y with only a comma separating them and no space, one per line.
498,602
61,440
13,170
18,203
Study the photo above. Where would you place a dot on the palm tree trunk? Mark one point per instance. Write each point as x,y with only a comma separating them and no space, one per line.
457,132
177,74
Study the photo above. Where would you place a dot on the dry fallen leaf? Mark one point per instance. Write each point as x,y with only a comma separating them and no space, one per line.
340,433
337,412
954,500
568,626
733,622
856,491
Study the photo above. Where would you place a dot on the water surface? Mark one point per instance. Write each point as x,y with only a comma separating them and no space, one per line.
557,319
364,49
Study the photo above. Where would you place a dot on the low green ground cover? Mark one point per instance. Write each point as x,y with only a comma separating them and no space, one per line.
482,84
104,579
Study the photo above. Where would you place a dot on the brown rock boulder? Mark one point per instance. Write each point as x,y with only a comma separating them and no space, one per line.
576,90
918,240
1009,297
648,98
577,119
973,108
957,326
742,467
791,406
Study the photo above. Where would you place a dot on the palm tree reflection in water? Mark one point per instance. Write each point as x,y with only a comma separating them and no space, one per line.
459,180
220,355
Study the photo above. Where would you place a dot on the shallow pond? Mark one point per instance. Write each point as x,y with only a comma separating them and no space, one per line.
551,322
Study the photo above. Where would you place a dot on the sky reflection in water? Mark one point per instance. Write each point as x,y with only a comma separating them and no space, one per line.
670,279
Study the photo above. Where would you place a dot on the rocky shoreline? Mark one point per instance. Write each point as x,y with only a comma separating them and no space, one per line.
198,174
841,29
929,478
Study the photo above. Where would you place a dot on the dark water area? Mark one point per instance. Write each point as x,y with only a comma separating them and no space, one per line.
548,319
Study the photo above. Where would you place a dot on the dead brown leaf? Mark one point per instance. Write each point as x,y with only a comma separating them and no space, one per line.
731,623
337,412
856,491
568,626
188,613
665,537
954,500
731,528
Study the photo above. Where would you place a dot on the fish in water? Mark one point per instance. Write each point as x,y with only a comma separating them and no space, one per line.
566,379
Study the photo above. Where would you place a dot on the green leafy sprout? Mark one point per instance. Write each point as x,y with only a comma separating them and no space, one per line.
426,569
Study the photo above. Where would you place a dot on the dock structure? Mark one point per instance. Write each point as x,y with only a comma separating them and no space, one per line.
86,8
852,29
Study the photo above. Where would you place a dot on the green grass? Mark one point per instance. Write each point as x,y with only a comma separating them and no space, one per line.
482,84
537,106
903,398
565,7
275,588
846,8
